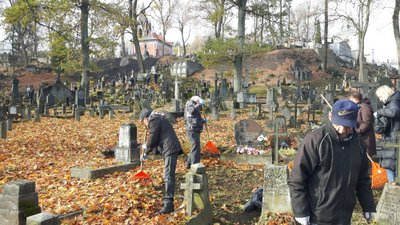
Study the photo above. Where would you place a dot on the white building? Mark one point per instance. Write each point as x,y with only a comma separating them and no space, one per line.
342,50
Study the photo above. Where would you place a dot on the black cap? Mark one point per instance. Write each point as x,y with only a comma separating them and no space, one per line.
144,114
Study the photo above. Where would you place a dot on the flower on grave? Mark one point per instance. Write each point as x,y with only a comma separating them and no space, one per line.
260,138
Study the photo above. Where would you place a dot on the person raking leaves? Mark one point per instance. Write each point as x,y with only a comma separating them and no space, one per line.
162,134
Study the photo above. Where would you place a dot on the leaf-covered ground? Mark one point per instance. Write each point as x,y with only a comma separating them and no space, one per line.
45,152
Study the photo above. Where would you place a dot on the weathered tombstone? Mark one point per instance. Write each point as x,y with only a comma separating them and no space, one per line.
197,194
3,129
9,124
37,115
13,112
247,132
276,196
18,201
280,122
127,150
286,113
80,97
46,109
271,102
50,100
15,95
28,113
111,114
388,208
77,114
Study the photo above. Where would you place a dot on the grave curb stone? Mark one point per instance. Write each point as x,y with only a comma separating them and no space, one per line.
43,219
86,173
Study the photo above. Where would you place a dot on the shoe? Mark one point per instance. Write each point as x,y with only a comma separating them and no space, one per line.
167,208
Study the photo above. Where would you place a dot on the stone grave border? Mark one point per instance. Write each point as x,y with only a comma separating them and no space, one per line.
86,173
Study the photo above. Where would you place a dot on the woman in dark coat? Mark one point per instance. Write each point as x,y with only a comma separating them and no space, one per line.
391,111
365,122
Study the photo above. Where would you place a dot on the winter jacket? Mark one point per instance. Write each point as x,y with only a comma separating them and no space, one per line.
193,119
327,176
391,110
161,134
365,127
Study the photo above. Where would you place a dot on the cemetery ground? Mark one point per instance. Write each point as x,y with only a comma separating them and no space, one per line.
45,152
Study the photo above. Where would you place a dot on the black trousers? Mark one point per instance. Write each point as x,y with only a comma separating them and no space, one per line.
194,154
169,176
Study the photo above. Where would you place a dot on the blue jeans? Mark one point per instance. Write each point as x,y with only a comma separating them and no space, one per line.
194,154
391,175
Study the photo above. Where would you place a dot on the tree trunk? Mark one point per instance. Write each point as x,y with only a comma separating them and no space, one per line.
396,30
325,61
183,39
123,46
85,42
241,35
135,38
262,30
361,38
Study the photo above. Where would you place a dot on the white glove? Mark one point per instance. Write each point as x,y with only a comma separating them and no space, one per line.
368,216
144,157
375,114
144,147
303,220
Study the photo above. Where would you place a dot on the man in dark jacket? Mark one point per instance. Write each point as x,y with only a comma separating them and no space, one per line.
330,171
194,126
365,122
161,134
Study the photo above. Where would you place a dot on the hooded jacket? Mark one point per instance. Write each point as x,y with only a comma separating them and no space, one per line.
365,126
328,176
162,134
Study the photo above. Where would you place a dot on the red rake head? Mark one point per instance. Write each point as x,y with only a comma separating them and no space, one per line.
211,148
141,175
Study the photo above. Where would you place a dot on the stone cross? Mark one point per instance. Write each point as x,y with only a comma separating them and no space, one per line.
196,193
275,154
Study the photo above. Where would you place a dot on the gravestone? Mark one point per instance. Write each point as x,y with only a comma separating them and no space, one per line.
325,114
196,194
50,100
127,150
18,201
37,115
13,112
15,95
286,113
247,131
80,97
3,129
271,102
9,124
276,196
28,113
280,122
388,208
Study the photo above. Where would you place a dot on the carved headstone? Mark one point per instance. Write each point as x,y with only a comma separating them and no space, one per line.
247,132
276,196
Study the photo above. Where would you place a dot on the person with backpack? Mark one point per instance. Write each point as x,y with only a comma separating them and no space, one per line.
330,172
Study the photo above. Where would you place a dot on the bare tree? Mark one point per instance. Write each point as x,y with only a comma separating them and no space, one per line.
303,19
357,13
183,17
163,11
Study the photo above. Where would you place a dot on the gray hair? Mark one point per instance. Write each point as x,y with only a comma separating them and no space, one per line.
384,92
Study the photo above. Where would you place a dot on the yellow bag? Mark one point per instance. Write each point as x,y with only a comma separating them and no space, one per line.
378,175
